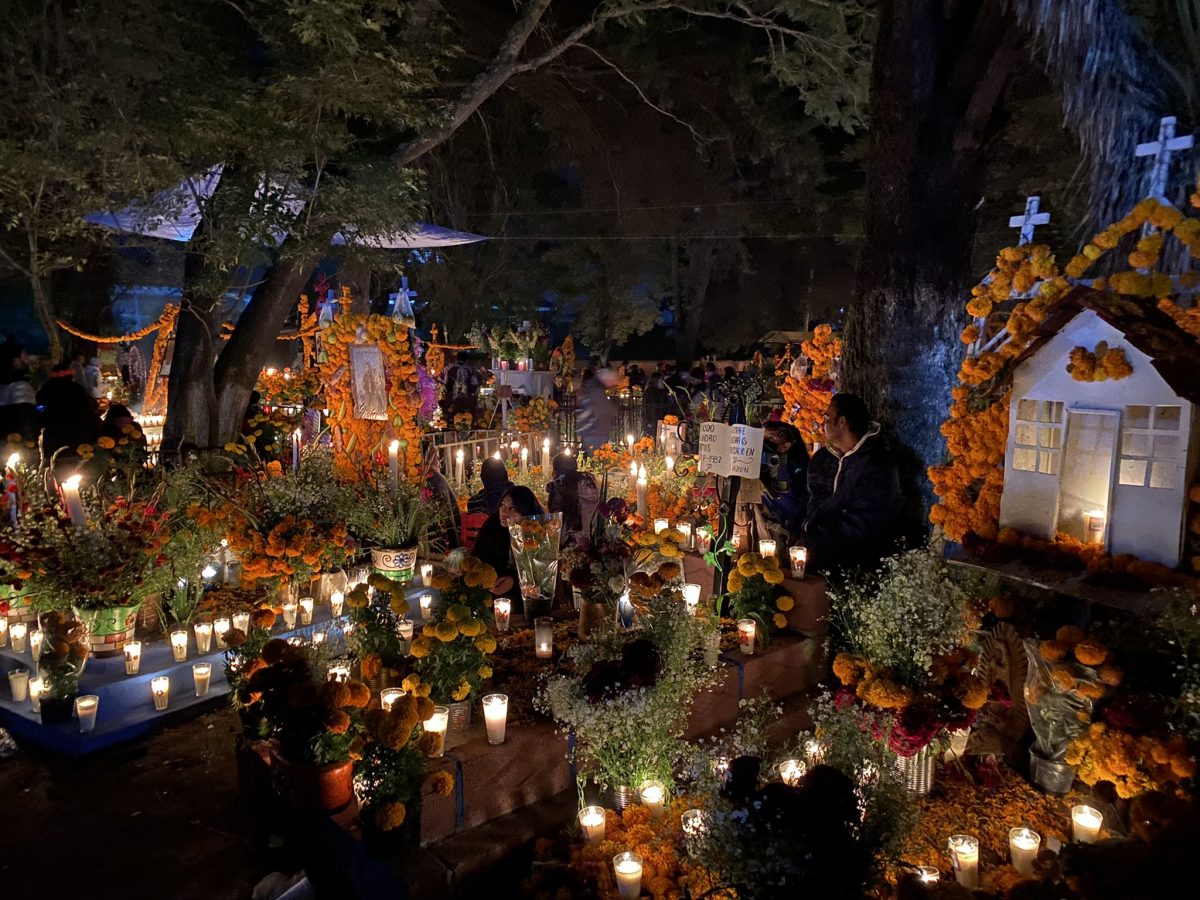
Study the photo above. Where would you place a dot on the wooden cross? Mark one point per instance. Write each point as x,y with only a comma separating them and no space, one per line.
1029,221
1161,151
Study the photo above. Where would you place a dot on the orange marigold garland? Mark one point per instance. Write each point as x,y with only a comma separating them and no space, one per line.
805,399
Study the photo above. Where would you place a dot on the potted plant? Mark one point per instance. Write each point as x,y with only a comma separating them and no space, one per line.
754,595
391,519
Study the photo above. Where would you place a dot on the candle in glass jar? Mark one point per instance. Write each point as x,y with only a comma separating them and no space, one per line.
221,627
503,611
691,596
404,631
306,610
766,548
661,525
1085,821
669,463
928,874
290,608
133,657
203,637
791,771
1023,846
160,691
388,696
627,867
179,643
591,820
336,599
964,855
18,684
746,635
736,540
35,644
339,672
201,677
17,632
427,574
685,529
653,796
241,621
543,637
36,687
86,708
319,637
3,630
495,716
799,558
436,725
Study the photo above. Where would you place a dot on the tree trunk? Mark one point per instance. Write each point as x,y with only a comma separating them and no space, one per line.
940,70
192,408
44,304
693,290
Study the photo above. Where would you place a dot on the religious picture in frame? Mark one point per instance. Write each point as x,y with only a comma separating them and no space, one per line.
369,382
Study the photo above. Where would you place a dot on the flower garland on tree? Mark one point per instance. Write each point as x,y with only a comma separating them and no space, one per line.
805,399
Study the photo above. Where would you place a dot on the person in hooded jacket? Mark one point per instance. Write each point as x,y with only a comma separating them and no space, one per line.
495,480
69,417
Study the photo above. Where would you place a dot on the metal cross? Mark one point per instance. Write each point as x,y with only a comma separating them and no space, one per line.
1029,221
1161,151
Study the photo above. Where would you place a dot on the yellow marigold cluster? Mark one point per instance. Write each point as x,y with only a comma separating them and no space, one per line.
476,573
754,565
1133,764
1102,364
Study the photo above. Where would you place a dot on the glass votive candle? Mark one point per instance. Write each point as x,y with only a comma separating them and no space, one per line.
591,821
1023,844
221,627
661,525
627,867
1085,820
691,596
86,708
201,677
160,691
736,540
241,621
766,548
336,599
388,696
543,637
36,687
799,559
495,717
306,610
339,672
653,796
204,632
427,575
426,604
289,613
436,725
703,540
791,771
404,631
35,644
695,827
685,529
503,612
964,855
3,631
133,657
928,874
179,643
18,683
747,632
17,632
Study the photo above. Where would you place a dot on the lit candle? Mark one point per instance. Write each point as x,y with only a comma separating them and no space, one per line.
36,687
339,672
502,610
766,548
336,599
628,868
1023,846
691,596
404,631
799,558
791,771
633,468
394,462
629,441
496,455
86,708
661,525
695,828
3,631
547,463
928,874
524,459
209,572
436,724
543,637
964,855
736,540
641,491
306,610
813,752
703,539
35,644
296,450
241,621
289,613
459,466
427,574
670,464
685,529
203,640
389,696
1093,521
426,606
18,683
133,657
201,677
70,492
18,631
221,627
653,796
746,634
495,716
591,820
160,690
1085,821
179,644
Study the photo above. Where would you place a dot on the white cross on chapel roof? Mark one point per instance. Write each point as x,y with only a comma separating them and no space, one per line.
1029,220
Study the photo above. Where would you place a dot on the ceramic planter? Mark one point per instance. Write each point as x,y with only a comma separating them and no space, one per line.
110,628
326,788
398,565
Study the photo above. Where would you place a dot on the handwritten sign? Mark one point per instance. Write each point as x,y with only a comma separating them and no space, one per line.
730,450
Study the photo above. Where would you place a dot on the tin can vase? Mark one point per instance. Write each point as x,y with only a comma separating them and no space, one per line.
1051,776
621,797
917,771
398,565
460,716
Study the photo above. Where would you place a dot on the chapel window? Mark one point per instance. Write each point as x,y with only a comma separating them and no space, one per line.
1038,443
1150,446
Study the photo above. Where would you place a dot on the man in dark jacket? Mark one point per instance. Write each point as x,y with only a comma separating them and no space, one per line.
785,474
853,492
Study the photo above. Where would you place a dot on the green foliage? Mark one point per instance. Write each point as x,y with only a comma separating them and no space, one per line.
389,516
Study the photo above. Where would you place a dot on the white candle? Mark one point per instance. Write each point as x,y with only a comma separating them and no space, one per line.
1093,525
86,708
629,441
18,631
133,657
641,491
591,820
404,631
209,572
427,574
543,637
426,606
653,796
3,631
661,525
1023,846
18,684
503,610
436,724
524,459
179,644
221,627
799,558
306,610
339,672
746,634
670,464
633,469
296,450
160,691
336,599
685,529
241,621
495,716
70,492
394,462
791,771
36,687
736,540
388,696
928,874
627,867
203,639
964,855
35,644
1085,821
766,548
547,463
691,596
201,677
459,466
289,613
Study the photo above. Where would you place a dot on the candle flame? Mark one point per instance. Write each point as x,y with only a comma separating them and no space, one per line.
73,482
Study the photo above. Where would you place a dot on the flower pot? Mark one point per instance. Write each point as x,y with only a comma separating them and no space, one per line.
398,565
460,716
109,628
621,797
326,788
917,771
57,709
19,608
1051,776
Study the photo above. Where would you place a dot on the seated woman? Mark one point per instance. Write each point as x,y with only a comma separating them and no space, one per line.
493,545
574,494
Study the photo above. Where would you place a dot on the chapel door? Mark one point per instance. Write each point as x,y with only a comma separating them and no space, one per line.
1085,485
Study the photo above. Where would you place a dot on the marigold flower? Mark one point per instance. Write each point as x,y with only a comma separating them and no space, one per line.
1091,653
1070,635
780,620
337,722
390,816
485,643
886,694
360,695
441,783
1052,651
263,618
785,603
